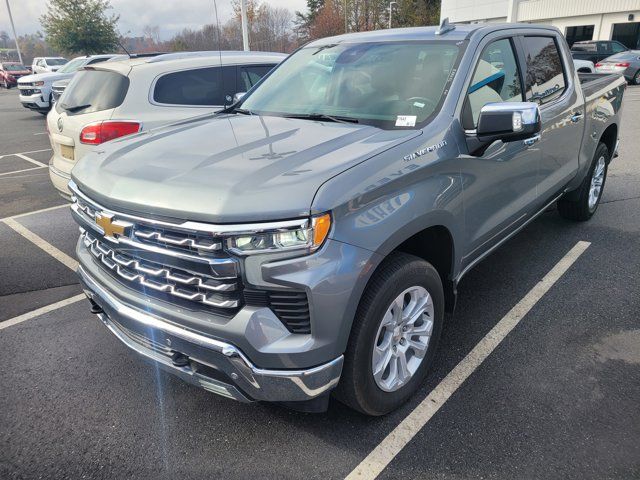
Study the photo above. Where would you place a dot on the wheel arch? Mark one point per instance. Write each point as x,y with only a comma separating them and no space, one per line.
609,137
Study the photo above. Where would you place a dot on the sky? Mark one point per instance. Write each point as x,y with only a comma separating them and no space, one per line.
170,15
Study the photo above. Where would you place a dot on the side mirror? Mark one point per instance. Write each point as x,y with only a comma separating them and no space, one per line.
238,96
506,121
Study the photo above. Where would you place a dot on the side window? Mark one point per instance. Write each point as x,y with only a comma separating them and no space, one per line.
251,74
545,74
617,47
605,48
198,87
496,79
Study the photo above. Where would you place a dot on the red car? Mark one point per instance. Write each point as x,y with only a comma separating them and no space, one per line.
10,72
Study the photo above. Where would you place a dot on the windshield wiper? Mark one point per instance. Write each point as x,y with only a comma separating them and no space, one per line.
324,116
77,108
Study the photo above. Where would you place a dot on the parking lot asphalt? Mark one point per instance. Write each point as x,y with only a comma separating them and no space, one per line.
558,398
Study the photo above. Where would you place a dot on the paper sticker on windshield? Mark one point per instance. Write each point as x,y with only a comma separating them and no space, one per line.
406,121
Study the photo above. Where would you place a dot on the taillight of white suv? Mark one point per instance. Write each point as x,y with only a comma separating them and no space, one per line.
100,132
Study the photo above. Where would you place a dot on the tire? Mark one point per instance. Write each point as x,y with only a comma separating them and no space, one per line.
577,205
636,78
397,274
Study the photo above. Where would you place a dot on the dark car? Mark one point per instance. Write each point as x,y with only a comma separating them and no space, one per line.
10,72
596,50
625,63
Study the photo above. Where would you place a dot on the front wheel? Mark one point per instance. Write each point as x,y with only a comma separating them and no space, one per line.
394,335
583,203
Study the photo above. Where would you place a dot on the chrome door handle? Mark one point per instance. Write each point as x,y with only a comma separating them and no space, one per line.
576,117
530,141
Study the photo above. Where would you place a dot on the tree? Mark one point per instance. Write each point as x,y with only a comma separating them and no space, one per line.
80,26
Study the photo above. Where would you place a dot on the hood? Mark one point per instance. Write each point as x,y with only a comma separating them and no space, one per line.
228,169
45,77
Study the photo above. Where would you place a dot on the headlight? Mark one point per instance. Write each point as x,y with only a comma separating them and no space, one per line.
309,235
38,84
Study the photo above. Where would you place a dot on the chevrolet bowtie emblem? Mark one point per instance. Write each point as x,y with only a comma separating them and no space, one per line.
112,228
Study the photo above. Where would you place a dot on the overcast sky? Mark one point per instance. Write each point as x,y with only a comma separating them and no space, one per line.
170,15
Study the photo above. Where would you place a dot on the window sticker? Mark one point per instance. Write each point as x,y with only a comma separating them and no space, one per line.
406,121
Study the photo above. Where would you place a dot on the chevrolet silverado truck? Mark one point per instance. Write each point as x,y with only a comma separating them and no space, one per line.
309,239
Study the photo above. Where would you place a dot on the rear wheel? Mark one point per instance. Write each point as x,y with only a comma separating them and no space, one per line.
636,78
394,336
583,203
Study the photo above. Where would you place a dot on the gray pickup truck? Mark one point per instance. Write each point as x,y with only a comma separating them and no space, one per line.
308,240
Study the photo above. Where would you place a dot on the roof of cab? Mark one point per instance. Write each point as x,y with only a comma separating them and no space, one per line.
459,32
190,59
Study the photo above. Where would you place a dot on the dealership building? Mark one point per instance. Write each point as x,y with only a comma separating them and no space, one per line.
577,19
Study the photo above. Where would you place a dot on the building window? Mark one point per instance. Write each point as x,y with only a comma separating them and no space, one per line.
628,34
579,34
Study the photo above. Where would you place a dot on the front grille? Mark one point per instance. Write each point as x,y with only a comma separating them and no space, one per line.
25,84
27,92
290,306
179,264
158,280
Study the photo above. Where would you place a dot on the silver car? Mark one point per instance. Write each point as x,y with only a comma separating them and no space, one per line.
625,63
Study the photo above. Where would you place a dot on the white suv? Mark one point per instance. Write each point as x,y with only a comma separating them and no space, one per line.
47,64
113,99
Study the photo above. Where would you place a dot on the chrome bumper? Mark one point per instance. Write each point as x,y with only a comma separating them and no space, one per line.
214,365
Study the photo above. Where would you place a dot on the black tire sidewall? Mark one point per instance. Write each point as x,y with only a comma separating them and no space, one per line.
414,272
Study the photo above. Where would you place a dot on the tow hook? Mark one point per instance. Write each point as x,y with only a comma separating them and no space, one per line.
179,359
95,308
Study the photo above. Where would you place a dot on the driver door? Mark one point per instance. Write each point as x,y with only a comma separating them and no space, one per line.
500,187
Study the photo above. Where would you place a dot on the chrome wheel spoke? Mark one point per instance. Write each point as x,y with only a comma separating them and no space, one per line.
402,340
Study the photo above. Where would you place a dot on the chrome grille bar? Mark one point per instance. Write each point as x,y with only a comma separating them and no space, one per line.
161,278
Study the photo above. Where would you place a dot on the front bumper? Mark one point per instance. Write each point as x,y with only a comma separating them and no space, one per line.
34,102
216,366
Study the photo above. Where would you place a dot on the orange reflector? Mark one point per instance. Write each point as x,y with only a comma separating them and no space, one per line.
321,226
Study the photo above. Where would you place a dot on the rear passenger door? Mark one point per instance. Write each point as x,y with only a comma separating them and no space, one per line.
550,82
499,186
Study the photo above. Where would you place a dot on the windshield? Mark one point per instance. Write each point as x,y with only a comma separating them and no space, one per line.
73,65
389,85
56,61
15,68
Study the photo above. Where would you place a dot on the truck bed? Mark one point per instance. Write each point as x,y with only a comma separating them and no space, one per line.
594,83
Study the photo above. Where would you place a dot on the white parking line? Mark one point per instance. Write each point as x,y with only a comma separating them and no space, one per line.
41,311
393,443
25,153
33,212
21,171
29,159
43,244
40,133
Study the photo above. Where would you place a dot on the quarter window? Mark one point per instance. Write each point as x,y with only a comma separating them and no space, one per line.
545,74
496,79
251,74
198,87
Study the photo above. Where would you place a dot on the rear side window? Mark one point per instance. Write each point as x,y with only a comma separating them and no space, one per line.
251,74
545,75
198,87
94,91
496,79
585,47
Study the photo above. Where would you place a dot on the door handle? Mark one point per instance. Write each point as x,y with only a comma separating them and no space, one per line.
576,117
530,141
